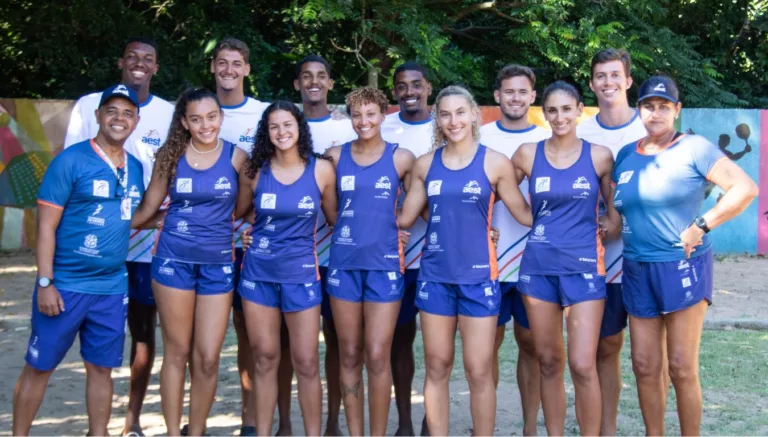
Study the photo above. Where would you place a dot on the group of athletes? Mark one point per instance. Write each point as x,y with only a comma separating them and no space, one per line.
364,222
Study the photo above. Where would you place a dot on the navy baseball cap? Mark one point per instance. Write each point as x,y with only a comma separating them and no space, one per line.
659,86
119,90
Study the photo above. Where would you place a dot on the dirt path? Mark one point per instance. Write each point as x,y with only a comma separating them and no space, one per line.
740,292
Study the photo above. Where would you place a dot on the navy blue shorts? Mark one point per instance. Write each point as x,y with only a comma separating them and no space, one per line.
408,308
360,286
655,288
204,279
288,298
98,319
614,315
471,300
140,283
512,306
564,290
237,302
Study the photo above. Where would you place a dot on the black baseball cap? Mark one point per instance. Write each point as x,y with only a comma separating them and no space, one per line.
119,90
659,86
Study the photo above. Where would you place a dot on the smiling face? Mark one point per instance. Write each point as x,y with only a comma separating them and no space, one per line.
230,69
562,110
203,121
658,115
610,82
411,91
515,97
117,118
313,83
456,118
138,64
283,129
366,120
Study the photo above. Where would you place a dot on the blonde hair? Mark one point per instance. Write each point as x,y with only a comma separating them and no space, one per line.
438,138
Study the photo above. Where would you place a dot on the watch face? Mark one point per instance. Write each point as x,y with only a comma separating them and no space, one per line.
44,282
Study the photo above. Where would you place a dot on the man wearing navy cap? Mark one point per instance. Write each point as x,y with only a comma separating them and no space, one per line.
85,203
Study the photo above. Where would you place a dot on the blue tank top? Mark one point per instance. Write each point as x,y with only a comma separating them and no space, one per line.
366,233
198,223
283,248
564,238
458,248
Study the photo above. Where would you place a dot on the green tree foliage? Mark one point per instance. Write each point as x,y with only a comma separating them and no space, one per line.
715,48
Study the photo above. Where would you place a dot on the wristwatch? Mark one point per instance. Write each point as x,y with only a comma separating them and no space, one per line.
701,224
44,282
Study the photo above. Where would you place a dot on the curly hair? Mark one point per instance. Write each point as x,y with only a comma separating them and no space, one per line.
263,150
167,157
364,95
438,138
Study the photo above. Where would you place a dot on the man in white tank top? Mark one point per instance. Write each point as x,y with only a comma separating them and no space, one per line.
514,91
616,125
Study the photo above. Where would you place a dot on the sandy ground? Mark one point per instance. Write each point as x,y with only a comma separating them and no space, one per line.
739,294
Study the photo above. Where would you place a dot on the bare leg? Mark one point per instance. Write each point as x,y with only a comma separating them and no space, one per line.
403,369
609,374
439,333
348,318
27,397
245,369
333,385
379,320
98,398
477,338
528,379
646,343
304,329
583,321
498,340
546,320
176,308
284,383
142,320
683,339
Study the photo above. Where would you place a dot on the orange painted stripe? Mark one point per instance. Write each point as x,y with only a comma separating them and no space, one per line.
511,261
414,260
615,276
491,247
52,205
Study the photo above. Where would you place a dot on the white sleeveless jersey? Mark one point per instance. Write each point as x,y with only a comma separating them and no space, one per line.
512,235
327,132
155,117
239,128
614,138
416,137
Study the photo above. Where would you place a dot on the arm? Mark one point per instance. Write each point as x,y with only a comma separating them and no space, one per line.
244,203
508,189
49,300
325,173
153,198
416,198
602,159
739,189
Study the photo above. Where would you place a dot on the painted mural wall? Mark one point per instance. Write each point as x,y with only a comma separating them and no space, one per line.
32,132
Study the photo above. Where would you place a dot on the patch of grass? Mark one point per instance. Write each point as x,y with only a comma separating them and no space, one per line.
733,372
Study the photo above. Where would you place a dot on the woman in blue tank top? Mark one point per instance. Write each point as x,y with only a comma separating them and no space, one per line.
661,183
287,184
365,272
192,266
562,269
457,183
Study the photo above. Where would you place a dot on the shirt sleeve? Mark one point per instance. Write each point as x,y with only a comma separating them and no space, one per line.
58,182
705,155
77,130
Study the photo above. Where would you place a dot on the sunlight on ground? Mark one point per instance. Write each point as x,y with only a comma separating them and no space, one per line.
17,269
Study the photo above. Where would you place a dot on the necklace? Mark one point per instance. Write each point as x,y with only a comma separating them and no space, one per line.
218,144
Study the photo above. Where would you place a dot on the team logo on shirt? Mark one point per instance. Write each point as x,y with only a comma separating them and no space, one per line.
542,184
472,187
538,234
686,284
333,281
306,203
222,184
423,294
96,221
383,183
268,226
186,208
581,184
165,270
91,241
268,200
616,201
345,232
346,212
184,185
182,226
152,137
433,189
263,242
134,191
433,242
683,265
100,188
624,227
247,136
543,211
347,183
625,176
